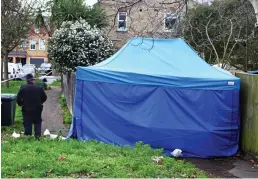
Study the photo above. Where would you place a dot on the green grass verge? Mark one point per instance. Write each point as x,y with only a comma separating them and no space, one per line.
26,157
56,83
67,114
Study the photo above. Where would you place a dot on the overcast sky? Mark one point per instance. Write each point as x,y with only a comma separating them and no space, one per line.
91,2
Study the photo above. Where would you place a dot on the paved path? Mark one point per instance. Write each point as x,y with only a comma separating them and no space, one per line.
229,167
52,115
244,169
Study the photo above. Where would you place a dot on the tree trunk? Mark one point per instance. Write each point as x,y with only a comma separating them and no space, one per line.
6,83
62,82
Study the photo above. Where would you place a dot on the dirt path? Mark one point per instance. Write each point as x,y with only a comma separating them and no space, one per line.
52,115
226,167
216,167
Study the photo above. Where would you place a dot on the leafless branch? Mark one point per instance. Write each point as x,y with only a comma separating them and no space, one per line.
207,34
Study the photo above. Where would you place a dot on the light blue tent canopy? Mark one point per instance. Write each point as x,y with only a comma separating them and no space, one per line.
161,92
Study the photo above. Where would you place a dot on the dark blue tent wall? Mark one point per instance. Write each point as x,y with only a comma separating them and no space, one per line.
118,104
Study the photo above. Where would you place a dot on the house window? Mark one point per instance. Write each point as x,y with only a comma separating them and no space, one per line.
10,59
122,21
23,43
36,30
32,44
171,20
42,44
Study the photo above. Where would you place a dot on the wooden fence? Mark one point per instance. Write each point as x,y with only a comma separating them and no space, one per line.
69,89
249,112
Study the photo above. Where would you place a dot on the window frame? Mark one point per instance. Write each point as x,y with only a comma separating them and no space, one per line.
35,42
175,16
44,45
36,30
118,20
23,43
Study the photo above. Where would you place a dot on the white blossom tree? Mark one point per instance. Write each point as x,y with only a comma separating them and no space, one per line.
78,44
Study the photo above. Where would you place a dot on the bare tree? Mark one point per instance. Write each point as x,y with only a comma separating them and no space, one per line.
17,18
255,6
218,31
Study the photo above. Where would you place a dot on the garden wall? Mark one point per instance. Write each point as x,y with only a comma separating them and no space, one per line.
249,112
68,89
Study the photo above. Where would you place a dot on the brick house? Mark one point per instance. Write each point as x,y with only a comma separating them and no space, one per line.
33,49
151,18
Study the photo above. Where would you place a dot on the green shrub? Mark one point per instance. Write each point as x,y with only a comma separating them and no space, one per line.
42,84
56,83
67,115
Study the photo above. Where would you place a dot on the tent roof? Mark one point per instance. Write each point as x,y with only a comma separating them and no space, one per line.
159,58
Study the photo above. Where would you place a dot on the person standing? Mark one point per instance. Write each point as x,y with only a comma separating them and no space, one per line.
31,98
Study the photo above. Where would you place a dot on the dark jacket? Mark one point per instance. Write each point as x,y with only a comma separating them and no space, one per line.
31,97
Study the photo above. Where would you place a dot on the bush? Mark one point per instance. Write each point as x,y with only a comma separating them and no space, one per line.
62,102
56,83
67,116
43,85
78,44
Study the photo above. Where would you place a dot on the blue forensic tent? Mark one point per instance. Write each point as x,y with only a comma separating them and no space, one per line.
160,92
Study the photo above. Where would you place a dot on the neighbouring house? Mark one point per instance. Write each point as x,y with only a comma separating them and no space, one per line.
32,49
152,18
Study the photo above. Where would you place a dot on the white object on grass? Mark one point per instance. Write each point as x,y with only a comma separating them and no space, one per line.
54,136
47,132
15,135
177,153
62,138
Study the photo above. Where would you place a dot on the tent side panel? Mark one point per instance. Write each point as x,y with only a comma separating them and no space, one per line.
202,123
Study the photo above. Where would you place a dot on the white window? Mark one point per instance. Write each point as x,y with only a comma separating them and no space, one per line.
23,43
171,21
36,30
32,44
122,21
42,44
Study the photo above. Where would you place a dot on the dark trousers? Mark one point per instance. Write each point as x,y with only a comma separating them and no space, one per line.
30,118
28,128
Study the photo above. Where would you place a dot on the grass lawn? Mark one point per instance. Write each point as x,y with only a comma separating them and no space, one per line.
56,83
50,158
25,157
